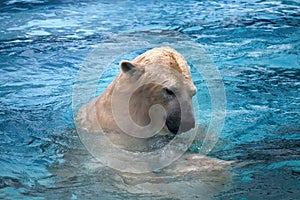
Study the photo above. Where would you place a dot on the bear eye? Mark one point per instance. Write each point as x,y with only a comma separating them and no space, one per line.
169,93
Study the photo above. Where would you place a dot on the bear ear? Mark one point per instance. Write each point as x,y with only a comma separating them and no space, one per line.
130,69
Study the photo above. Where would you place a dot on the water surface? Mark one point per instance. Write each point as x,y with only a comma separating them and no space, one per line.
255,45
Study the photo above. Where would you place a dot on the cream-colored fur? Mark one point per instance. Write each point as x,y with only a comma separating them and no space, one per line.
164,57
157,64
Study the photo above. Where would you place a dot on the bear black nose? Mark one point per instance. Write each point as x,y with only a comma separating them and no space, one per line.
176,126
173,124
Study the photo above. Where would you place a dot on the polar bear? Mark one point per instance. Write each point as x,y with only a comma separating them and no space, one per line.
171,87
164,79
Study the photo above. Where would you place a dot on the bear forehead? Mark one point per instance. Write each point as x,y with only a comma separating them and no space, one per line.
164,56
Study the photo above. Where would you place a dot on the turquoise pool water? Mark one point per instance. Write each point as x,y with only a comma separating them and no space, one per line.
254,44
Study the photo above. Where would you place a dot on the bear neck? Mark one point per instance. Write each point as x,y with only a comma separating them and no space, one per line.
138,107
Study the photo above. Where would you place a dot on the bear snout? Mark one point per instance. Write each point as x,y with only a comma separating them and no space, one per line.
175,125
187,124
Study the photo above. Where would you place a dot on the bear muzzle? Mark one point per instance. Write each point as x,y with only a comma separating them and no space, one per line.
187,124
175,125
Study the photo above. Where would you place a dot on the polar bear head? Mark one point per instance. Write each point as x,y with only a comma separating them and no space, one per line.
164,78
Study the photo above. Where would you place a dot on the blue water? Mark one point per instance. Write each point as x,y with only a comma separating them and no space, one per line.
254,44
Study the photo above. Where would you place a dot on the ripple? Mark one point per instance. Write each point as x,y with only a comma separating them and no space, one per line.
255,45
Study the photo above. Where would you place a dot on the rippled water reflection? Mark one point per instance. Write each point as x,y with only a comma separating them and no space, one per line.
255,45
